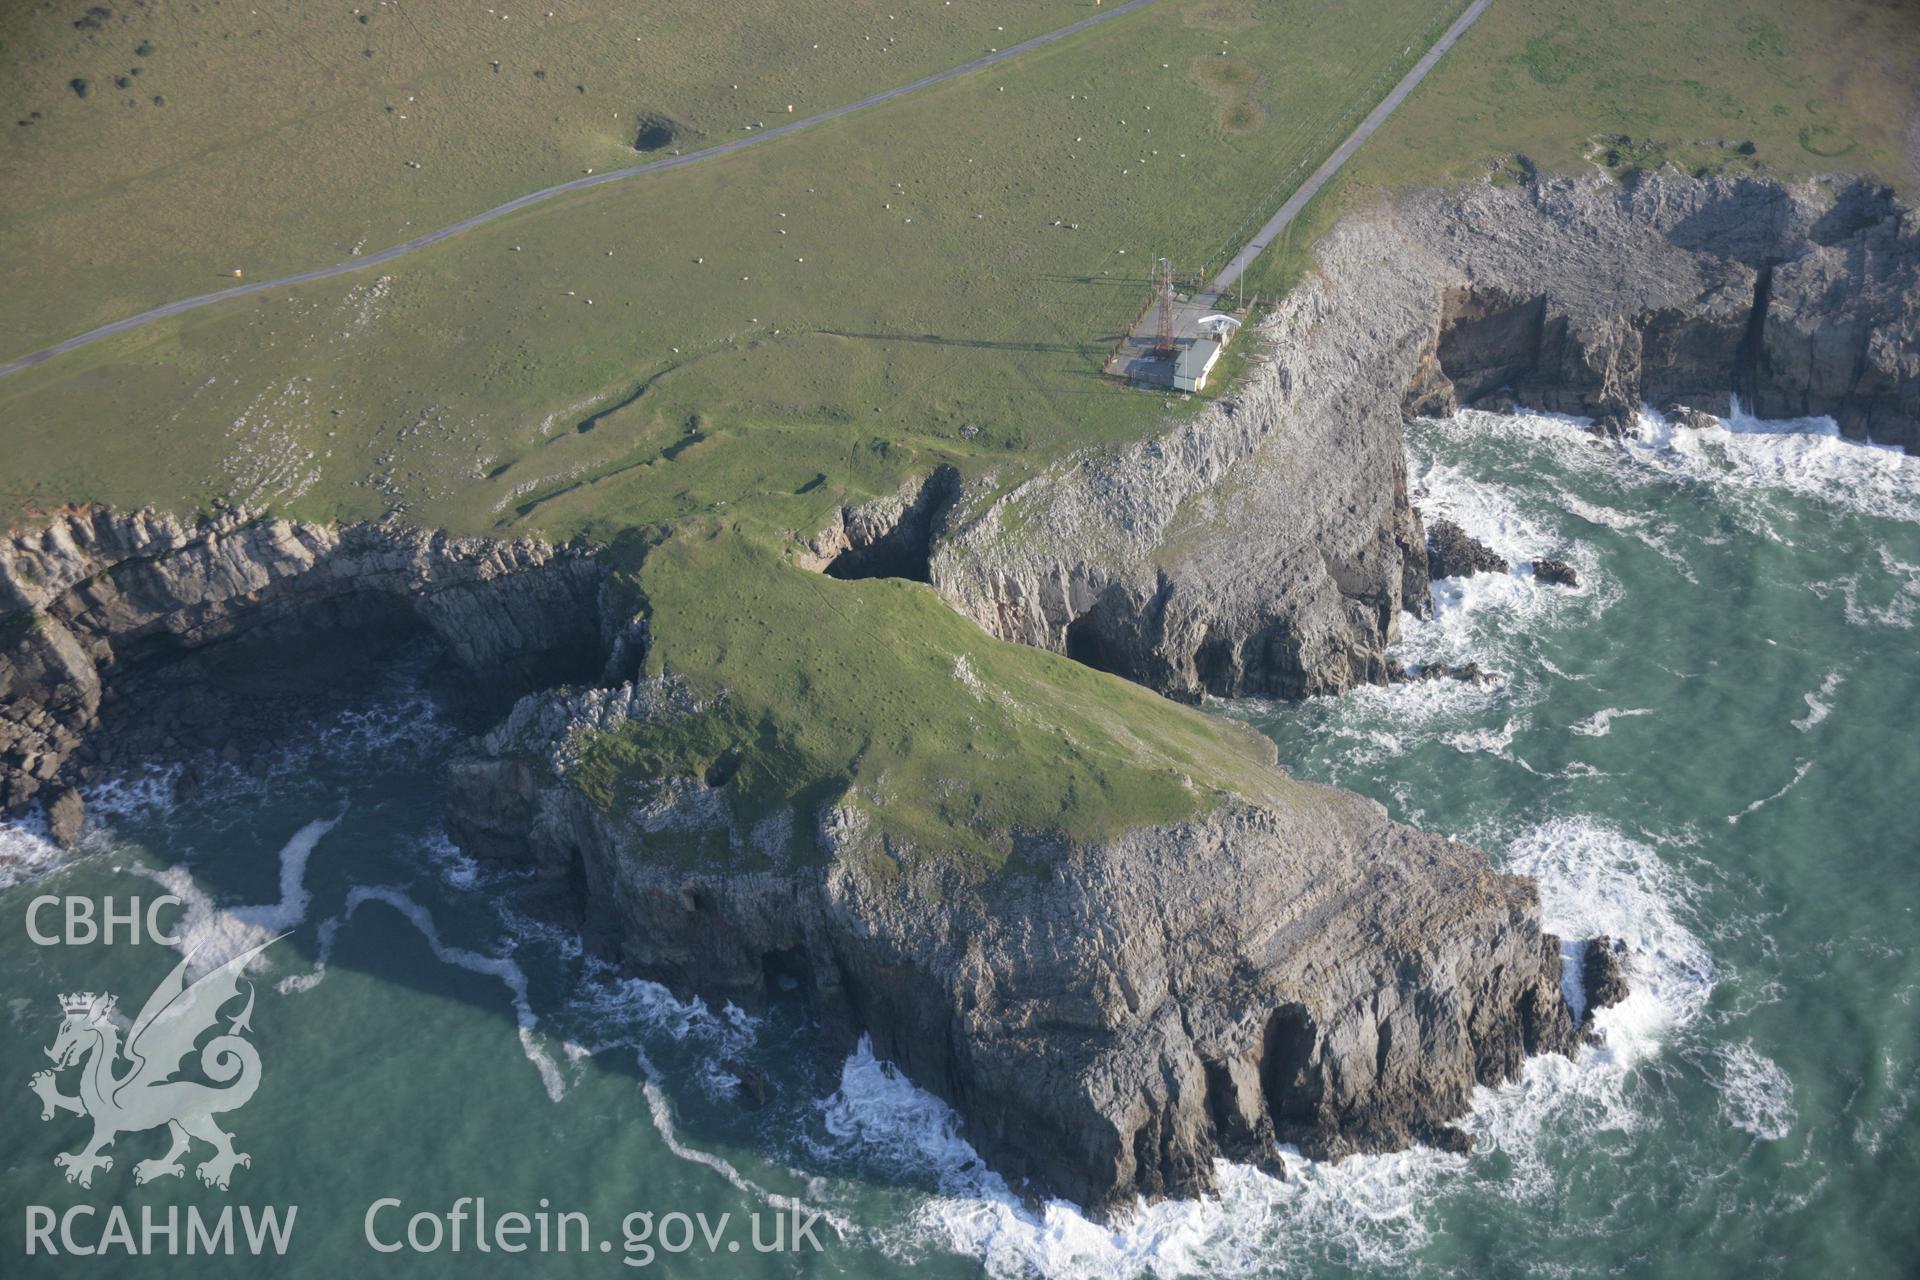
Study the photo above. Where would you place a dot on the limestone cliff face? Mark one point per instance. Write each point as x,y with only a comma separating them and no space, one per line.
1265,546
96,599
1591,299
1110,1017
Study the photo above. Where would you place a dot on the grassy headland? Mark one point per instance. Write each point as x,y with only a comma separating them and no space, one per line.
946,273
873,693
729,351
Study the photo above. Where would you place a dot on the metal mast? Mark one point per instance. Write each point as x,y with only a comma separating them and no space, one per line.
1163,339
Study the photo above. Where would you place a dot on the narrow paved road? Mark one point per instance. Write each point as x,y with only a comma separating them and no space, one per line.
578,184
1321,176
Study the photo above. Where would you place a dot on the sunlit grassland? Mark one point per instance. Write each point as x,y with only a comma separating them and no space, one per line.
875,694
274,137
761,335
1826,88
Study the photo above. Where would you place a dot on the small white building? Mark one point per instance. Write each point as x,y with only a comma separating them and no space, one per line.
1194,363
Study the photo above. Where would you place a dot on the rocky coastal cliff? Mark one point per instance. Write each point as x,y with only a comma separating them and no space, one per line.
103,615
1110,1017
1266,545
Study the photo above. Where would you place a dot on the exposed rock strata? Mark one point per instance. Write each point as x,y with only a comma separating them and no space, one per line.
96,604
891,537
1109,1017
1265,545
1593,300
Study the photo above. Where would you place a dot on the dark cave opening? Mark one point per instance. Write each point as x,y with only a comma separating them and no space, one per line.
1289,1044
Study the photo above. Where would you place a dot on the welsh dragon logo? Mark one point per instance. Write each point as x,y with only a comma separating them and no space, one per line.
131,1088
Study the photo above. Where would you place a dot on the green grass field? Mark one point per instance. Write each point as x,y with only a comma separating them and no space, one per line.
276,137
723,354
731,350
1815,88
942,276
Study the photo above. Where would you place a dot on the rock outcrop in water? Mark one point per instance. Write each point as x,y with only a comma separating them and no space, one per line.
1452,552
1556,573
1109,1017
1266,545
101,612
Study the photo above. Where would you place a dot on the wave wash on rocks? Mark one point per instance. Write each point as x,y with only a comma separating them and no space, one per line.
101,612
1110,1017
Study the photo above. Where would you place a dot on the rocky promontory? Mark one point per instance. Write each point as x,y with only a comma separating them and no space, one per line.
1110,1011
1265,545
1452,552
1110,1017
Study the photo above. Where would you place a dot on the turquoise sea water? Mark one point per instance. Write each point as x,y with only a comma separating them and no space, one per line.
1708,749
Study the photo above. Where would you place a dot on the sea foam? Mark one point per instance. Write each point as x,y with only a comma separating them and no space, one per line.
1372,1210
210,934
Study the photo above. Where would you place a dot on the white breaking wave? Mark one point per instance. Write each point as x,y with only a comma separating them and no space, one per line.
623,1012
1807,456
1600,723
1798,774
1816,709
456,869
1361,1210
502,967
25,852
1755,1094
1492,741
1594,882
1366,1211
294,983
662,1114
1901,605
1491,514
137,794
1804,456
